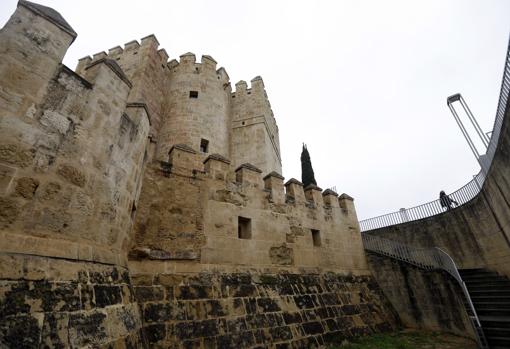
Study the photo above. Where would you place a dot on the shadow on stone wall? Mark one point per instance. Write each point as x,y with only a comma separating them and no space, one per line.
429,300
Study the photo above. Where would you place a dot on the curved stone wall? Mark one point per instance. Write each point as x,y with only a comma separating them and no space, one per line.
192,117
476,234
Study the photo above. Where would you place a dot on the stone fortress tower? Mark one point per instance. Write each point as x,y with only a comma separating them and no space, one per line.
142,205
193,105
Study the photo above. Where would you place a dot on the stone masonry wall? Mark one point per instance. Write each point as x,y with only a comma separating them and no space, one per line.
57,303
191,119
477,234
259,310
197,218
71,158
429,300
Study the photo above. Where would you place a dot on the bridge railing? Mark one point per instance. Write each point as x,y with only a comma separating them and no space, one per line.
468,191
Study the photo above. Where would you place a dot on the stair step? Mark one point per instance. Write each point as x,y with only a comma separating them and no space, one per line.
491,292
485,298
488,288
480,279
484,277
501,341
492,305
495,321
488,283
493,311
496,332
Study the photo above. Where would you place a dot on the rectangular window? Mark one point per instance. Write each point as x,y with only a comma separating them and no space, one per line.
244,228
316,237
193,94
204,145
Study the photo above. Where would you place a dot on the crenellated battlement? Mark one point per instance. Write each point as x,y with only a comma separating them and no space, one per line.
256,88
147,45
267,221
185,161
187,63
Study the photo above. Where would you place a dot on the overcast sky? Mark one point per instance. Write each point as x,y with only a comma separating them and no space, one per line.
363,83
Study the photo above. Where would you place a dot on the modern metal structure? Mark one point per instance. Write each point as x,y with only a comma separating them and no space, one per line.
471,189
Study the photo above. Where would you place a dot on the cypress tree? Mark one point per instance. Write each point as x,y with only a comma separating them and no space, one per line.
307,175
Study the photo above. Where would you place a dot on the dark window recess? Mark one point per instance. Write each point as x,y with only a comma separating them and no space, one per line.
244,228
193,94
133,210
204,145
316,236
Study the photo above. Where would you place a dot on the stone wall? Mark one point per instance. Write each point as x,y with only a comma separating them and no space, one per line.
206,116
476,234
58,303
429,300
253,309
199,214
71,158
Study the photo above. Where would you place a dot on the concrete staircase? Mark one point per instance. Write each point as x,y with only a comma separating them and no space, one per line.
490,293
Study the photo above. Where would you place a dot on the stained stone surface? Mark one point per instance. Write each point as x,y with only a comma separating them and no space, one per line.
254,309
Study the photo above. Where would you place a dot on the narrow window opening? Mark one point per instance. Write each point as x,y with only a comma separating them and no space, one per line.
193,94
244,228
316,236
133,210
204,145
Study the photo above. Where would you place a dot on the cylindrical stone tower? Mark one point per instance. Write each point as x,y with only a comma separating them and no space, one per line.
198,108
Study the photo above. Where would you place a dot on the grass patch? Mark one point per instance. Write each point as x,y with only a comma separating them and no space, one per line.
405,340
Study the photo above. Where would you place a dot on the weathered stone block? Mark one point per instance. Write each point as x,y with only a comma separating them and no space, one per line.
107,295
196,329
72,175
87,328
21,331
149,293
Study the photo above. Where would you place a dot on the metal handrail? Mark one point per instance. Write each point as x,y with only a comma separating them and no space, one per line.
468,191
429,259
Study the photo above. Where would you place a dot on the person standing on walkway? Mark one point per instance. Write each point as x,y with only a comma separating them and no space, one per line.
446,201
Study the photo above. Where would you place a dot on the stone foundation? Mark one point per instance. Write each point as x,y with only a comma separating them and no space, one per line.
57,303
259,310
